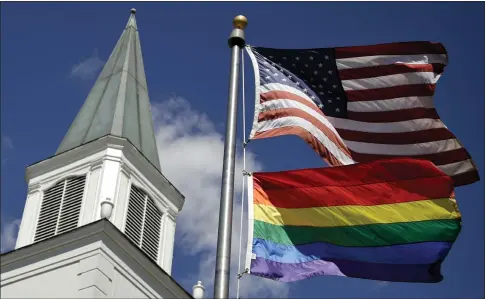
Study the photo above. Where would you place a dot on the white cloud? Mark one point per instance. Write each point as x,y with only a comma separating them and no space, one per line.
191,152
87,68
9,233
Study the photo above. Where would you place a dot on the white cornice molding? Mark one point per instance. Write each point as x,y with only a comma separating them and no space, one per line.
115,145
71,156
125,170
172,215
33,188
112,158
96,164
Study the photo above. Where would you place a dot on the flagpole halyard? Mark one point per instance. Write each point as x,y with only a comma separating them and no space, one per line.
243,106
223,251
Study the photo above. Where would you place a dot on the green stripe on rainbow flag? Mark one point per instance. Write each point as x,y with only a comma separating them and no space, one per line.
362,235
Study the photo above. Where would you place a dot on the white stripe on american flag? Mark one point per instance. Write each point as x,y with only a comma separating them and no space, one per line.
404,149
297,110
391,81
458,167
391,104
394,127
276,86
356,62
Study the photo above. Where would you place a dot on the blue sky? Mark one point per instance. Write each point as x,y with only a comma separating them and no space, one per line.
51,54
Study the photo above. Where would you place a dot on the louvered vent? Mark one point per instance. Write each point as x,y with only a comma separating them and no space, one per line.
144,221
60,209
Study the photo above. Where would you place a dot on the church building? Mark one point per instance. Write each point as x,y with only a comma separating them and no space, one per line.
100,217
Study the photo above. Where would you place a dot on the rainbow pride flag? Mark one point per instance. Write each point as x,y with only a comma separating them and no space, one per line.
393,220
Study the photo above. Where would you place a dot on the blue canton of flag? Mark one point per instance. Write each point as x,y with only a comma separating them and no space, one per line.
314,72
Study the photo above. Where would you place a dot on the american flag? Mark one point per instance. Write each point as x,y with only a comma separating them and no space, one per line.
358,104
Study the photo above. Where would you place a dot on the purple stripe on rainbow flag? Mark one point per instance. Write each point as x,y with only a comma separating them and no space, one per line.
384,272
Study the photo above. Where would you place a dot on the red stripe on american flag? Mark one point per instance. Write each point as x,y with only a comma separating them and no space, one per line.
402,48
401,91
397,138
394,115
440,158
280,95
466,178
393,69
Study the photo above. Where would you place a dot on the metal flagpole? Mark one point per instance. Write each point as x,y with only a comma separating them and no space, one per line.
223,251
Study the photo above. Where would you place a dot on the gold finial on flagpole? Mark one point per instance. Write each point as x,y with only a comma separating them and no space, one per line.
240,22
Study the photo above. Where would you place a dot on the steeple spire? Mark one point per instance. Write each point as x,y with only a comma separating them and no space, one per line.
118,103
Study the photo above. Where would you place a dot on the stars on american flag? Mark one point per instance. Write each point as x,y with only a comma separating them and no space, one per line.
311,72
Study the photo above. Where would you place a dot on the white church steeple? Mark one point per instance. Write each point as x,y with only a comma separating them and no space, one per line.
107,165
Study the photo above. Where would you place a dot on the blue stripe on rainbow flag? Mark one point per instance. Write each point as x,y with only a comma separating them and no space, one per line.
415,253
